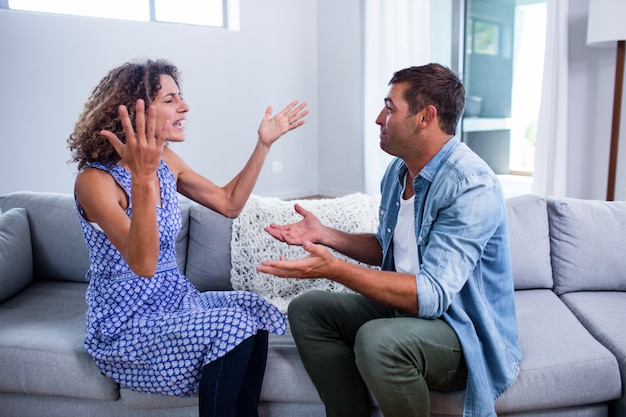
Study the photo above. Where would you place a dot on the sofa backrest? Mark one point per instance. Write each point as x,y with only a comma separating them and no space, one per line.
572,240
587,239
530,242
59,250
209,258
209,253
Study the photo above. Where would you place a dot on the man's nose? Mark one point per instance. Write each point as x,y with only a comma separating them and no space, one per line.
380,120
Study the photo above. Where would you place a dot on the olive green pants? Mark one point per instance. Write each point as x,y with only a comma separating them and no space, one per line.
350,344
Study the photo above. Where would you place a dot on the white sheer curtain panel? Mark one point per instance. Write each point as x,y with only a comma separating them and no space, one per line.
550,173
397,35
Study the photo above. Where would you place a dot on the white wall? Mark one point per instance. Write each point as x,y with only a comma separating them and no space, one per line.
340,94
591,81
50,63
310,50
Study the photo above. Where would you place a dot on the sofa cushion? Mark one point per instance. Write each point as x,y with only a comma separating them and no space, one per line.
285,377
208,251
16,257
285,380
59,249
558,352
182,241
41,344
603,313
562,364
530,242
587,240
143,400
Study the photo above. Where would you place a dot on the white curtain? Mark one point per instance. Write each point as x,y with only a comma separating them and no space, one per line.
396,37
550,173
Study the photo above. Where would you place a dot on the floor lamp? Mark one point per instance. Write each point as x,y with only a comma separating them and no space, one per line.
606,26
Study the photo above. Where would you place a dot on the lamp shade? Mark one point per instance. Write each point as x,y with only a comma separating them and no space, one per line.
606,22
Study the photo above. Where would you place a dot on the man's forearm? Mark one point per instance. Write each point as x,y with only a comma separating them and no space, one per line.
394,289
362,247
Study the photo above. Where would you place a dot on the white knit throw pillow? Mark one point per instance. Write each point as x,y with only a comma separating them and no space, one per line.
251,245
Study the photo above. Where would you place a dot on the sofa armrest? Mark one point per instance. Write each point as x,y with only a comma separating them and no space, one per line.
16,256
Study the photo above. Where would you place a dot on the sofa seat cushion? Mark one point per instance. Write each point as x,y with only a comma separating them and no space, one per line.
603,314
562,365
41,344
141,400
558,352
285,381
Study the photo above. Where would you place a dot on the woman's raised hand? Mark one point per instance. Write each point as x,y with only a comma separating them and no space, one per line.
289,118
142,151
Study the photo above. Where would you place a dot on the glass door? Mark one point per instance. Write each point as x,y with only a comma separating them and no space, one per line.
502,70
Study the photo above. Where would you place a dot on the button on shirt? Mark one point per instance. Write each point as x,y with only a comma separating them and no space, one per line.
464,273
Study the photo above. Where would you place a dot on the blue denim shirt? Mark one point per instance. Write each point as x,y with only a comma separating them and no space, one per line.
465,268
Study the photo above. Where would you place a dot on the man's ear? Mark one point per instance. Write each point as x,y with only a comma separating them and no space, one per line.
427,116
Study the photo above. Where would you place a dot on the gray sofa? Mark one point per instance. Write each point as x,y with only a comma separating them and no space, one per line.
570,278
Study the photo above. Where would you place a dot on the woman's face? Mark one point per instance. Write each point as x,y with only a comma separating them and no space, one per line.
170,107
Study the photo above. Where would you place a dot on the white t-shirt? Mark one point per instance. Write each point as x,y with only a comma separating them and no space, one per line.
404,243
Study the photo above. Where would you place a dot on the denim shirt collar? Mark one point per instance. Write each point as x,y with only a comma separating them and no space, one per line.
432,167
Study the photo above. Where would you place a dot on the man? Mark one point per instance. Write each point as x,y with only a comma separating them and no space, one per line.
440,313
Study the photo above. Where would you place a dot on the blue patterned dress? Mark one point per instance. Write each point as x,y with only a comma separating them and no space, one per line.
155,334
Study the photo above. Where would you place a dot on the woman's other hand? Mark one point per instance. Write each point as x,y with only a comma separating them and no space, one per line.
289,118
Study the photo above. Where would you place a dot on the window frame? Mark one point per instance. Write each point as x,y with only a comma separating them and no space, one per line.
227,21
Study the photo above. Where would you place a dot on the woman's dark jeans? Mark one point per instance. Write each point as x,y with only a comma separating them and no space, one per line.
231,385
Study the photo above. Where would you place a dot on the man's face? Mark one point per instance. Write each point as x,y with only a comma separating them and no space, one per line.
398,128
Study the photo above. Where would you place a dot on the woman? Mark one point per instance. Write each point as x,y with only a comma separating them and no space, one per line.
147,327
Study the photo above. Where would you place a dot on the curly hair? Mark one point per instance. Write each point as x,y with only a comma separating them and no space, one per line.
437,85
122,85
